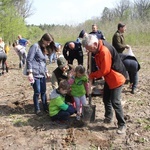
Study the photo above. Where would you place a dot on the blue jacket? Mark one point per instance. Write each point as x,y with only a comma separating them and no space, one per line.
36,61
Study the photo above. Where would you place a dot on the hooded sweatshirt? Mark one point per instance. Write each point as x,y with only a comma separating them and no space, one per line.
57,103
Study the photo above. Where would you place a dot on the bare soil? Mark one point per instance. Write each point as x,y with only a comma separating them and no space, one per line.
21,129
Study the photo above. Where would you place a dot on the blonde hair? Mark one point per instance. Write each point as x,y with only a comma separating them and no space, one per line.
80,69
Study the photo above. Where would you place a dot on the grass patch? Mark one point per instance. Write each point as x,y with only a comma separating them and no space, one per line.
20,123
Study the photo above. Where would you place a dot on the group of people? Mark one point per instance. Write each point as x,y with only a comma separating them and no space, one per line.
71,84
19,47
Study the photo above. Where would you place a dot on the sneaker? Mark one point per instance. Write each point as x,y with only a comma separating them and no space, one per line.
133,91
107,120
6,69
121,129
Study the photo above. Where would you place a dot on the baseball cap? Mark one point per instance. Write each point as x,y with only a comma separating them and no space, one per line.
61,62
81,34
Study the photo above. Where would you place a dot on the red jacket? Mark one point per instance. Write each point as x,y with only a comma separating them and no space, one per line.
103,60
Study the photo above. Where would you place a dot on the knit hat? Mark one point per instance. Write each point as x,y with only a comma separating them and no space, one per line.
61,62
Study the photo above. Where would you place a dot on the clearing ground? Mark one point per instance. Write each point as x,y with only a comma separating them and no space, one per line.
21,129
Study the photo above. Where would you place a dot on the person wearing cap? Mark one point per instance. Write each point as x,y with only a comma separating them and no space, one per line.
61,73
73,50
118,40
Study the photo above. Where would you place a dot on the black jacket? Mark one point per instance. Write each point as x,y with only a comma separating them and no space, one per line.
117,63
124,56
72,53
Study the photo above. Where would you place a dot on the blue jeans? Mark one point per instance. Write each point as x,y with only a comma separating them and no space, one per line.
111,99
52,57
39,88
64,115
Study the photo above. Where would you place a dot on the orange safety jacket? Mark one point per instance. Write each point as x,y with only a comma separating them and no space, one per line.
103,60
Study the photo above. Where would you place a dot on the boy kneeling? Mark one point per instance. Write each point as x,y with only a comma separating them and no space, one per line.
58,109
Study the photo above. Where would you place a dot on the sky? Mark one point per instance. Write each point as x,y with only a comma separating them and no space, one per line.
70,12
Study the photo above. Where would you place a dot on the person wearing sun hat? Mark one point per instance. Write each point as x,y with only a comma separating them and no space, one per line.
118,40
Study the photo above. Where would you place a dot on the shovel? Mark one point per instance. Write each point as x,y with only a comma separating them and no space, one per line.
89,109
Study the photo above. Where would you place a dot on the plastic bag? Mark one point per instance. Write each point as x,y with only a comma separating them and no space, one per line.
130,52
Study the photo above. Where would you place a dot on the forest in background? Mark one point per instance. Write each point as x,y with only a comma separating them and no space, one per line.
136,15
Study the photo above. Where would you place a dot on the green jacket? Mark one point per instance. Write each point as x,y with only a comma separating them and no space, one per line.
78,87
118,42
57,103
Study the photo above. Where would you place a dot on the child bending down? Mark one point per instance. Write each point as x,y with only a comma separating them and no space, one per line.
58,109
79,88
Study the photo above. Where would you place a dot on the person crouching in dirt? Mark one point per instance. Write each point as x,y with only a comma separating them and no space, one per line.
132,66
73,50
21,52
79,88
114,80
60,73
58,109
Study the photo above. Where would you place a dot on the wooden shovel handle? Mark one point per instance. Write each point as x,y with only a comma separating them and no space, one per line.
90,81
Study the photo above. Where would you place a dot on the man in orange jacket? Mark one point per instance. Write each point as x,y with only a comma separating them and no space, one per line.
112,69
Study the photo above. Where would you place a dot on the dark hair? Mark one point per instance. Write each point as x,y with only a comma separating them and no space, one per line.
47,37
50,48
120,25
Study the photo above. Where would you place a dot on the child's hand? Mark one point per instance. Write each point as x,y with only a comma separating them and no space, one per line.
71,73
